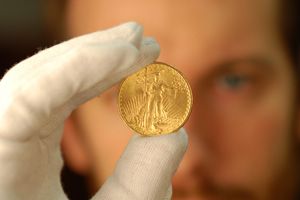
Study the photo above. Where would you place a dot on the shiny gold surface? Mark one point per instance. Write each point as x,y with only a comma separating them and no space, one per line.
155,100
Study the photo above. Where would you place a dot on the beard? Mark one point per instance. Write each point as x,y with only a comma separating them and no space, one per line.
282,185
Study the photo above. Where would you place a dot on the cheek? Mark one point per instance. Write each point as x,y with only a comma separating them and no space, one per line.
252,151
247,143
255,130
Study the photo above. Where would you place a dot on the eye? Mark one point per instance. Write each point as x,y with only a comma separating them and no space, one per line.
233,81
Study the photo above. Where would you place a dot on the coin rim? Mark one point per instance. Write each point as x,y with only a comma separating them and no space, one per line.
189,112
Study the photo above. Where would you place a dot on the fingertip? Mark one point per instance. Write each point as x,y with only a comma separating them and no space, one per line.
132,25
183,137
131,31
149,52
150,47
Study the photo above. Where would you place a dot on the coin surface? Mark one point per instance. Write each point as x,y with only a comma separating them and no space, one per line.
155,100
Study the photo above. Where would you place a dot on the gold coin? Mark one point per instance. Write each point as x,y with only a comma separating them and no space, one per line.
155,100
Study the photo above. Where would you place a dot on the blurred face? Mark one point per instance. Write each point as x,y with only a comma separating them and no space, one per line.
241,131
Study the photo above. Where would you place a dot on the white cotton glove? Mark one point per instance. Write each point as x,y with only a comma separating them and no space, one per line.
38,94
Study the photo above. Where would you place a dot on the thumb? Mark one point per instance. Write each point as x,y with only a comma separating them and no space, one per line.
146,168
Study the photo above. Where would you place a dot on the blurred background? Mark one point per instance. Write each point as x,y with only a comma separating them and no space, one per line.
27,27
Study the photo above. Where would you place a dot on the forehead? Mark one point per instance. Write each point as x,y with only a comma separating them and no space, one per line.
185,29
173,14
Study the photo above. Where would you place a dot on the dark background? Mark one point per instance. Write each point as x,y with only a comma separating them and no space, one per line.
27,26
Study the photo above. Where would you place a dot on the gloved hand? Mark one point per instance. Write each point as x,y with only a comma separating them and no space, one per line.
38,94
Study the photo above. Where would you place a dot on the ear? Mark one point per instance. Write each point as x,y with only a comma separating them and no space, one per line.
73,148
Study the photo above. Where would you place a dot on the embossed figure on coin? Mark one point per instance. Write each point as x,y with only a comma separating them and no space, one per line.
154,91
156,100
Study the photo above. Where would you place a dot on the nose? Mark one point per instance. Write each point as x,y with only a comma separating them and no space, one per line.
195,164
189,175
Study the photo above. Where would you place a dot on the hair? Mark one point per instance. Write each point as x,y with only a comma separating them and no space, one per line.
290,28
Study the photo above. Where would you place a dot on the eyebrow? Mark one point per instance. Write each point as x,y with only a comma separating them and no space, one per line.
256,61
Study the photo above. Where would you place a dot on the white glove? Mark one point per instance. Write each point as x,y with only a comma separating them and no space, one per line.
38,94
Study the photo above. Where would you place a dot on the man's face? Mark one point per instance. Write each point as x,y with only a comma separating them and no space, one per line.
240,130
